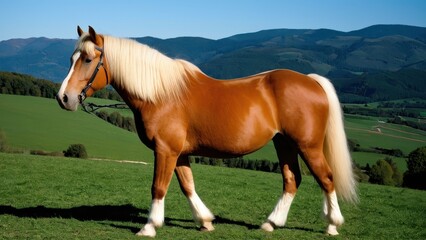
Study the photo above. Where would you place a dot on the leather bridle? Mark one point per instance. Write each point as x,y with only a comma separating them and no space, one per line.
82,96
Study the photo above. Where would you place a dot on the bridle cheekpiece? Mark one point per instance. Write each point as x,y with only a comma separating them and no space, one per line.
82,96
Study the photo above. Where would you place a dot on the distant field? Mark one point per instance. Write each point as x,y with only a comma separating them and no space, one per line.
365,131
371,132
362,158
39,124
63,198
33,123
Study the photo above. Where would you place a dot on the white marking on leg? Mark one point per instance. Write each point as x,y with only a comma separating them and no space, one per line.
325,207
156,214
332,212
278,217
155,218
200,212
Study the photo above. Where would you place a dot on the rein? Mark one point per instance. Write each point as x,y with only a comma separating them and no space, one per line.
82,96
91,107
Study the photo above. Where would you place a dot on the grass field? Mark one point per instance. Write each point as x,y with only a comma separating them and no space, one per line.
33,123
62,198
365,130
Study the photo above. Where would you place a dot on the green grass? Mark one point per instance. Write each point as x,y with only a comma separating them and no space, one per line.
39,124
362,158
35,123
62,198
391,136
363,130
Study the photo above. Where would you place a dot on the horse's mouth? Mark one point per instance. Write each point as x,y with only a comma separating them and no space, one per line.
64,103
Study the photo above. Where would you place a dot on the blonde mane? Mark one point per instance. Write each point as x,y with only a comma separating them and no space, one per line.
145,72
141,70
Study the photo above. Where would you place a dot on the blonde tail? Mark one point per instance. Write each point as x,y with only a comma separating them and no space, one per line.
335,147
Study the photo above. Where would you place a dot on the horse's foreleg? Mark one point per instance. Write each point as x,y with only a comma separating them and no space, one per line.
163,172
200,212
287,154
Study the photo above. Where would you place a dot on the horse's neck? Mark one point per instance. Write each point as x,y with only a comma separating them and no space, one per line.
132,101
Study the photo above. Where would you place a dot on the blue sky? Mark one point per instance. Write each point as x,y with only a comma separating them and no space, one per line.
212,19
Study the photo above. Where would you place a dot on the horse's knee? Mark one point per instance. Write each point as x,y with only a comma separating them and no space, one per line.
158,192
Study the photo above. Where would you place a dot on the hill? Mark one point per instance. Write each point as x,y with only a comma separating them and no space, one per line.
348,57
60,198
34,123
41,57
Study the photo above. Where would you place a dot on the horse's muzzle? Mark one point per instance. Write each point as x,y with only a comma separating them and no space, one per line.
63,102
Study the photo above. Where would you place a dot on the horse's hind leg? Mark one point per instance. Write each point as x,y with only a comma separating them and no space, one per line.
200,212
287,154
315,160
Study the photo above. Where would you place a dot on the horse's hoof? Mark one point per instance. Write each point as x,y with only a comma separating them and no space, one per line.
147,231
332,230
267,226
207,227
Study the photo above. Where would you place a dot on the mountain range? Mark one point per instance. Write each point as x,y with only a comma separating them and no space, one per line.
364,64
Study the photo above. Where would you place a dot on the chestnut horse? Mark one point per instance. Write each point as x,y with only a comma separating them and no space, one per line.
180,111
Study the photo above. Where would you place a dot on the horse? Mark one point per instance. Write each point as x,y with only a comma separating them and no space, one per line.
179,111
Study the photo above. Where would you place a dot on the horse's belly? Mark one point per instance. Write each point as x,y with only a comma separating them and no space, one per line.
232,143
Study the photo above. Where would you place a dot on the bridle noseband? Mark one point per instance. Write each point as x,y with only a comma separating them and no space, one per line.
82,95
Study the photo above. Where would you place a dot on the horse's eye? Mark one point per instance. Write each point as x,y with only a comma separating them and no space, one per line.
88,60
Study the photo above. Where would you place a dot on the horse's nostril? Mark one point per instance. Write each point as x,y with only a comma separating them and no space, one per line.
65,98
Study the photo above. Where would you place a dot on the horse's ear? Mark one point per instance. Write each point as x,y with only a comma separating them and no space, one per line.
94,37
92,34
79,31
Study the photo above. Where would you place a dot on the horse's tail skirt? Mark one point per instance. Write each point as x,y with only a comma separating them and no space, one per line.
336,148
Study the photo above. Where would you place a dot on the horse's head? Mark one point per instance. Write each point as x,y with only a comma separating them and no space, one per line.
88,72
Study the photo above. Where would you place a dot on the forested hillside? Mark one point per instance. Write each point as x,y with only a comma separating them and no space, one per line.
22,84
380,62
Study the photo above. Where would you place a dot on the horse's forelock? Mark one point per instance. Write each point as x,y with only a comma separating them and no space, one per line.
84,44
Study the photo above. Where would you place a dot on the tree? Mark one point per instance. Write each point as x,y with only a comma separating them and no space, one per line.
381,173
361,173
102,115
76,151
415,176
112,118
396,176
